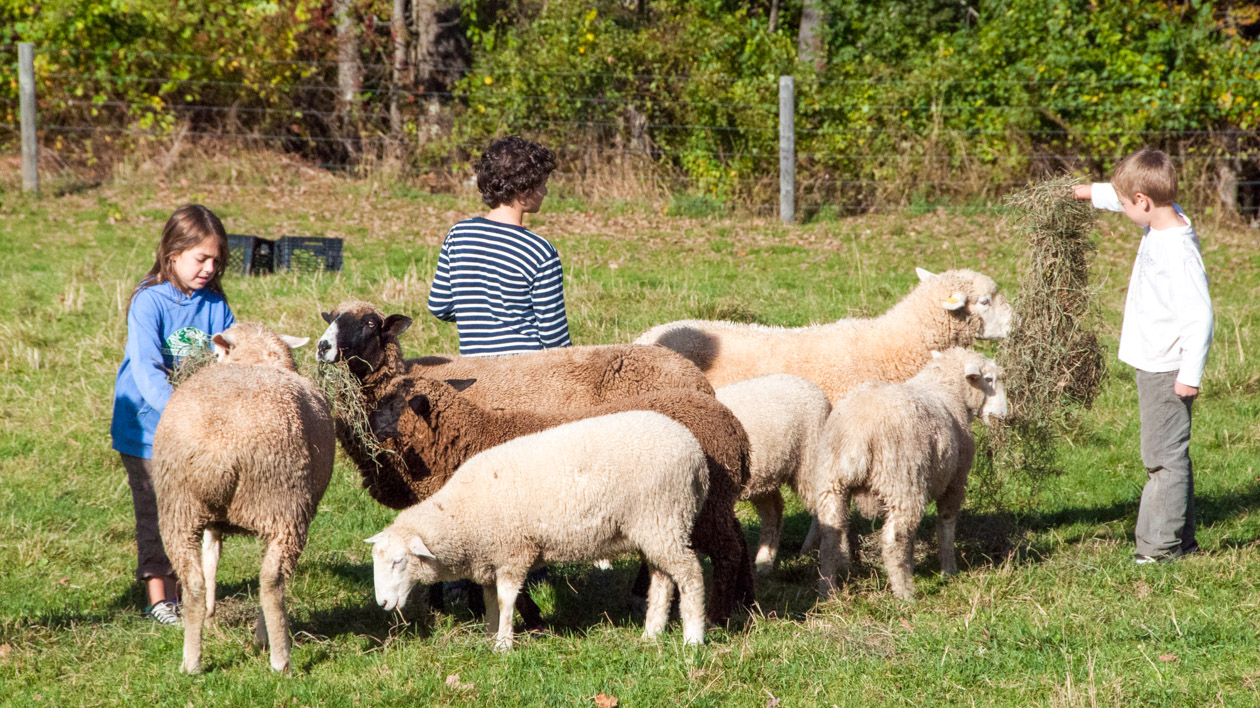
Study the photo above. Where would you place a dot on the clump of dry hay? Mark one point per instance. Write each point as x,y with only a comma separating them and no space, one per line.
340,388
190,365
1053,359
345,403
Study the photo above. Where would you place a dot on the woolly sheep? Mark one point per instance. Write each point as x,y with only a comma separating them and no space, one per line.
244,444
435,429
558,379
578,492
893,448
951,309
783,416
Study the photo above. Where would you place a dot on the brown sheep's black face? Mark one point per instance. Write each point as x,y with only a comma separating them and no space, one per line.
359,336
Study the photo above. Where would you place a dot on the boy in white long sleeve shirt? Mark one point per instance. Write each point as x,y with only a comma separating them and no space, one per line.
1166,335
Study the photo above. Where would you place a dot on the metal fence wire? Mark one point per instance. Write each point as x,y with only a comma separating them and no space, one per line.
873,150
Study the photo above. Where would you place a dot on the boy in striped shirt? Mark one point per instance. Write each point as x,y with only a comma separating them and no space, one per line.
501,283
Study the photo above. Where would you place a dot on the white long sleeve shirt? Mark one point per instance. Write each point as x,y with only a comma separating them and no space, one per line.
1168,317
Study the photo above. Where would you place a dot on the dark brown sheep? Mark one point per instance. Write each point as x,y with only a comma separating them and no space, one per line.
436,429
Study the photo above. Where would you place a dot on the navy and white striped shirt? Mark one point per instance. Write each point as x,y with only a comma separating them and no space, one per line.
502,286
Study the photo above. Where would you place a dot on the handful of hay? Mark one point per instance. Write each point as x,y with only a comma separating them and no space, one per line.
1053,360
339,386
345,403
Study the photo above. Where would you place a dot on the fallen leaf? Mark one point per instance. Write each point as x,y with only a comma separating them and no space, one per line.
4,650
1168,657
906,623
63,581
603,700
453,682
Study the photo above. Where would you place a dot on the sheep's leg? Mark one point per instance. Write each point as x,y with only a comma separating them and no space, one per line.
947,508
490,609
185,556
211,548
689,577
811,537
279,558
508,586
769,508
716,536
833,537
898,543
660,591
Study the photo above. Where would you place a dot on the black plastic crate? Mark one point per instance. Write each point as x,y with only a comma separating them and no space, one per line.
250,255
308,253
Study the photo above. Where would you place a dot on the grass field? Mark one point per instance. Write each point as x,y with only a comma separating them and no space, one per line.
1049,608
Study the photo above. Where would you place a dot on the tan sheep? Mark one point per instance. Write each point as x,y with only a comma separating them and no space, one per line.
783,416
894,448
594,488
243,445
951,309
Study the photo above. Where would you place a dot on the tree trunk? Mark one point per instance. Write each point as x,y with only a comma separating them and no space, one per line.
809,45
774,15
398,36
349,69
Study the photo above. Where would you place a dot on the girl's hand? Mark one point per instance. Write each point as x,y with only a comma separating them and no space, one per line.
1083,191
1184,391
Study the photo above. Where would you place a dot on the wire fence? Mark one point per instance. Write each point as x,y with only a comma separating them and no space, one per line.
872,151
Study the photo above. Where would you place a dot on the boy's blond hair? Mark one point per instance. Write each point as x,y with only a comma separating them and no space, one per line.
1148,171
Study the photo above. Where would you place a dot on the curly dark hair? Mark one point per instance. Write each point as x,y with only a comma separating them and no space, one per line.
512,167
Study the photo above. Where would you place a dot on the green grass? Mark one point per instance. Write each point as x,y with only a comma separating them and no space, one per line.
1049,608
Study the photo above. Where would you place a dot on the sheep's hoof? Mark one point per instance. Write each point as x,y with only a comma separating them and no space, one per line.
765,568
282,667
190,667
260,637
503,646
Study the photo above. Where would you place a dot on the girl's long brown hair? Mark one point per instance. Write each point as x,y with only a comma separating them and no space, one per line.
188,226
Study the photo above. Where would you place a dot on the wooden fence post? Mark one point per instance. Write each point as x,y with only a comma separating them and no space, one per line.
30,146
787,150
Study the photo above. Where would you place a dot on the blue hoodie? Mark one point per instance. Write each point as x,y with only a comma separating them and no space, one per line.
163,326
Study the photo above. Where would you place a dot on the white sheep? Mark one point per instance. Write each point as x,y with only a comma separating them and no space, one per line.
578,492
893,448
951,309
244,444
783,416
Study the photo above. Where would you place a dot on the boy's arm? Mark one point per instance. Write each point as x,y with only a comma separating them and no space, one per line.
441,302
1195,321
1102,195
144,348
547,297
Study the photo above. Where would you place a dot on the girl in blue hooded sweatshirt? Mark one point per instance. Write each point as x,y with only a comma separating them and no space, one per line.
173,313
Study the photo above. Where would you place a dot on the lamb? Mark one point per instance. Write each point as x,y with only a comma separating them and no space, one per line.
951,309
893,448
783,416
578,492
245,444
557,379
435,429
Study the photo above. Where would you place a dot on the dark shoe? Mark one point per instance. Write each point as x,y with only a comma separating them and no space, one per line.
164,612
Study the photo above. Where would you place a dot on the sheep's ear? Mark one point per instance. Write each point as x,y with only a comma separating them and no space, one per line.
294,342
460,384
375,539
936,354
956,301
924,274
972,371
396,324
420,406
222,344
417,547
328,317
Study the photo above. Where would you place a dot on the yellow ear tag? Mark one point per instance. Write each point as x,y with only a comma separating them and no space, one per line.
952,300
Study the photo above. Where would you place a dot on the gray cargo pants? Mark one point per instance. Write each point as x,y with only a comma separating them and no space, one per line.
151,559
1165,523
